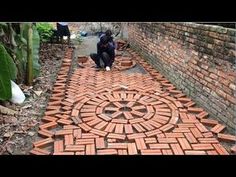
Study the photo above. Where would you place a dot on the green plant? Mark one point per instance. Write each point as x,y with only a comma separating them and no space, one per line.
8,72
45,31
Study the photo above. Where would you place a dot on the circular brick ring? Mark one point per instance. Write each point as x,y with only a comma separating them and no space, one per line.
123,63
128,113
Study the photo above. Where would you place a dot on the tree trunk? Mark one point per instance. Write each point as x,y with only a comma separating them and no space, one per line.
29,56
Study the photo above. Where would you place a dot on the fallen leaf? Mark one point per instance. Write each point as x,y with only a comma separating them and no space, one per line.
38,93
31,133
26,106
8,134
5,110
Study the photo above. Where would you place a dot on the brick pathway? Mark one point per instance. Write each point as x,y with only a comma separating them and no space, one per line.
108,113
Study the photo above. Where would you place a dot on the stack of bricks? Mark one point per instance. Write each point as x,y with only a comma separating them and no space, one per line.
199,59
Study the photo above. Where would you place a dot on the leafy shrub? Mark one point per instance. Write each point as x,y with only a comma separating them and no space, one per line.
45,31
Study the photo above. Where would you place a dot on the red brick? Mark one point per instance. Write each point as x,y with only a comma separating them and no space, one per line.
154,124
153,132
100,143
87,119
167,127
181,130
107,152
174,135
220,149
128,115
202,115
122,152
182,125
137,113
150,140
110,127
136,135
208,134
159,146
58,146
196,133
66,127
53,107
209,122
69,139
46,133
80,153
89,135
137,120
90,149
87,114
226,138
132,149
75,148
63,132
43,143
54,103
77,133
204,146
184,100
195,153
208,140
84,141
114,115
151,152
38,151
190,137
138,127
104,104
117,145
116,136
63,153
183,116
167,140
139,107
48,125
119,128
167,152
184,144
75,113
49,118
85,127
130,104
140,143
117,104
218,128
101,125
98,132
201,127
120,121
128,129
64,122
195,110
94,122
188,104
147,125
177,149
212,153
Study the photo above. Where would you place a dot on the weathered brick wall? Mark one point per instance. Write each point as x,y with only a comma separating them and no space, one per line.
198,59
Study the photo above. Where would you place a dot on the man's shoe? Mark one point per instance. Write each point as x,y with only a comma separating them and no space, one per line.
108,68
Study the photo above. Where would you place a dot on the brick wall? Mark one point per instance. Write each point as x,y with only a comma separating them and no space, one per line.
199,59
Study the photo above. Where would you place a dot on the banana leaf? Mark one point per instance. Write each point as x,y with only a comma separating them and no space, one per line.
8,72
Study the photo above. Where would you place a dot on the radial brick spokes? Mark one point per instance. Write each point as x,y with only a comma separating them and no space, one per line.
114,113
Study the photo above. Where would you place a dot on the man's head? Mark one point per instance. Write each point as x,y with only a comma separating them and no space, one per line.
104,41
108,33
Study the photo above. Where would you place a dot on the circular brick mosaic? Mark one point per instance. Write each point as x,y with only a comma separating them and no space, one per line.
128,112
